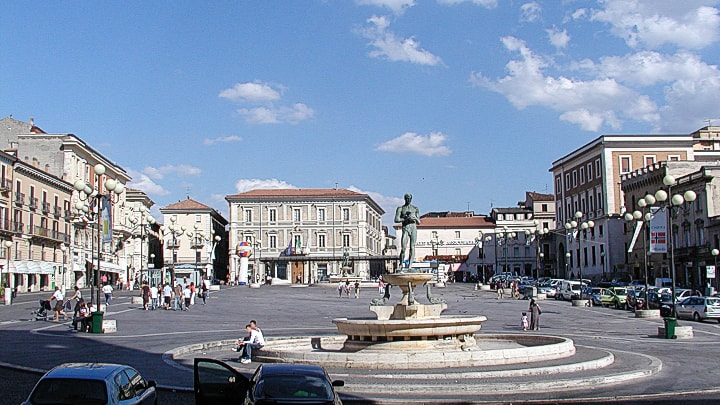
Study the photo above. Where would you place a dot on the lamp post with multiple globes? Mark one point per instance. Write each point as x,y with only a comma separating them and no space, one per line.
97,205
575,227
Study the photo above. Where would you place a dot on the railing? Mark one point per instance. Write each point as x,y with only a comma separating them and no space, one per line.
19,198
4,184
5,225
18,227
46,208
46,233
57,211
33,204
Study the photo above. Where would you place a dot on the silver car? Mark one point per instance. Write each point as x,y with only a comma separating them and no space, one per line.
93,383
699,308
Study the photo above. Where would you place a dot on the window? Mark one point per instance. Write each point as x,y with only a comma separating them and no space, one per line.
272,240
597,169
458,252
273,215
649,160
434,234
296,214
700,232
589,172
625,164
574,178
321,214
673,158
346,214
567,181
297,241
582,175
321,241
599,199
346,240
198,218
248,215
544,207
558,184
457,234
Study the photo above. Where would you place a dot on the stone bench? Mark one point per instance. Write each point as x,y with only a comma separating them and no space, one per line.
647,313
109,326
136,301
681,332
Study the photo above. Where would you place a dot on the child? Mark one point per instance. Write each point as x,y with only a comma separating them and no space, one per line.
524,322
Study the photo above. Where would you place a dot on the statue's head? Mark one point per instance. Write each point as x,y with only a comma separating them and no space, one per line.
408,198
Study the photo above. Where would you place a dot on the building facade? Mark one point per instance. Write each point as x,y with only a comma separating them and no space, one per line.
587,180
303,235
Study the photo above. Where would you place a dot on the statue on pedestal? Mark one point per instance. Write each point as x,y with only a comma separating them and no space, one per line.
409,216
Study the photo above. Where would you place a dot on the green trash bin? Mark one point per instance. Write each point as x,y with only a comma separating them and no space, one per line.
670,324
96,322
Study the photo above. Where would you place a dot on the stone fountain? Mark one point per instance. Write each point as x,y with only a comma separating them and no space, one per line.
409,325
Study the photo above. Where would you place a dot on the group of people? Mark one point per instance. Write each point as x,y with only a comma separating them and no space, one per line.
178,298
532,323
344,287
253,340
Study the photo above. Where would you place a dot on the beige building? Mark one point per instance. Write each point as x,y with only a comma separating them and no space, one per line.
302,235
587,180
195,241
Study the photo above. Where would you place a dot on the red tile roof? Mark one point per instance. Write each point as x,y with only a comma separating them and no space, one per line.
454,222
297,192
188,204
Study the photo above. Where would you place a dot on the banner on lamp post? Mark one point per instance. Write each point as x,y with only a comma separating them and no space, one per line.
106,219
658,231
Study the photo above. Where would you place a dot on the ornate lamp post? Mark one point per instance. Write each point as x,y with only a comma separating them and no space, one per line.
6,285
481,255
640,218
541,256
568,255
175,231
63,248
143,220
574,227
98,206
715,254
503,239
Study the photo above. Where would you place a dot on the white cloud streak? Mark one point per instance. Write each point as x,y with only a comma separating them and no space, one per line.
244,185
396,6
387,45
254,92
530,12
483,3
143,182
410,142
159,173
264,108
222,139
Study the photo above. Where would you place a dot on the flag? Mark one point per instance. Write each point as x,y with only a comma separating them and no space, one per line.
658,231
638,227
288,250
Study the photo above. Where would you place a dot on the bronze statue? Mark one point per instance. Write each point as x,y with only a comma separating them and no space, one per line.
409,216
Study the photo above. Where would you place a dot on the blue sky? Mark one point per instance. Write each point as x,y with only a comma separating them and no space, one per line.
463,103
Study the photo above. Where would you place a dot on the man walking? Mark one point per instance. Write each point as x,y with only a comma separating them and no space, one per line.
107,290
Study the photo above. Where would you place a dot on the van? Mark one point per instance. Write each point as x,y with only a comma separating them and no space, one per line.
663,282
570,290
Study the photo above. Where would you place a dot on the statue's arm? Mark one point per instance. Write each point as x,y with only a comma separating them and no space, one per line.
398,215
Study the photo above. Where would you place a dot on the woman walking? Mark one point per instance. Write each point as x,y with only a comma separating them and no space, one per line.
534,315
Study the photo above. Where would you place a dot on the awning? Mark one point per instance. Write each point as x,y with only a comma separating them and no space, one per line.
32,267
108,267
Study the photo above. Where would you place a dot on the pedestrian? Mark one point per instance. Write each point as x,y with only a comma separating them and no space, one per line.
154,297
524,322
500,291
535,312
192,293
77,297
187,296
59,303
167,296
82,317
357,289
381,287
177,298
107,290
340,288
204,292
145,294
255,341
346,288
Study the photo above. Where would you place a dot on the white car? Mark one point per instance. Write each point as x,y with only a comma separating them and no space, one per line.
699,308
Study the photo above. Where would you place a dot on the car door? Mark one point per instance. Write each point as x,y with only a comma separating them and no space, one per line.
143,391
217,383
684,308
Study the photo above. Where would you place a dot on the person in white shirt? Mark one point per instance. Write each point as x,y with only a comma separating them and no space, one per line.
154,297
59,303
107,290
187,295
255,341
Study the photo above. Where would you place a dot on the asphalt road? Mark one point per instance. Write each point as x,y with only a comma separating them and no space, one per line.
689,368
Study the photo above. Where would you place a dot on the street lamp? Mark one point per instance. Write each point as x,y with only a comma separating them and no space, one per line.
640,218
90,198
63,248
715,254
175,231
435,244
481,254
142,220
568,255
676,200
503,238
534,236
6,285
541,256
574,227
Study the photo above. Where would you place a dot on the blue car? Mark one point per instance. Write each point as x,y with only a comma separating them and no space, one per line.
93,383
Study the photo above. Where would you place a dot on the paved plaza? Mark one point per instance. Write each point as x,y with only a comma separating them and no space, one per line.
619,357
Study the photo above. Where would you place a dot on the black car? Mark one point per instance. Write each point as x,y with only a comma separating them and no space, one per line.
661,301
218,383
635,300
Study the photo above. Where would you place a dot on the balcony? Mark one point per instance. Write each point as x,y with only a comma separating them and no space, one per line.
46,208
45,233
4,185
18,227
33,203
57,211
19,198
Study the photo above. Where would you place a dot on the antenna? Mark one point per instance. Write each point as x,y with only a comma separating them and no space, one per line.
468,205
709,121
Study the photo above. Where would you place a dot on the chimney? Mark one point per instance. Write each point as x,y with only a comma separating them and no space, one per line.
31,121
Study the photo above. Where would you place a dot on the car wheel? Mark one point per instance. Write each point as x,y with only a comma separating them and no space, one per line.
696,317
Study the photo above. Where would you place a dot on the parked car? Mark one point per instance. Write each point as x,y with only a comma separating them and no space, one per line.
620,296
699,308
595,294
635,299
93,383
548,290
661,301
218,383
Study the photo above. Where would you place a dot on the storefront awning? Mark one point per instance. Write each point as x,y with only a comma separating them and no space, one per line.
32,267
108,267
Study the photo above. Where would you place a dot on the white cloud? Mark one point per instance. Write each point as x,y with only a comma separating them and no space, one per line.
589,103
222,139
244,185
144,183
397,6
395,49
558,39
484,3
530,12
158,173
410,142
650,24
276,115
254,92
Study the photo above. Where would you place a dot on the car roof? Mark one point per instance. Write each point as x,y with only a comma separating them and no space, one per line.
285,369
89,371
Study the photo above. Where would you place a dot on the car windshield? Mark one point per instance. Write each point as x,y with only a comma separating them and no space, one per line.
51,391
293,387
620,291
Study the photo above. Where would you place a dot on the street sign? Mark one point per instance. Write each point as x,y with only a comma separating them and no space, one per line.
710,271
